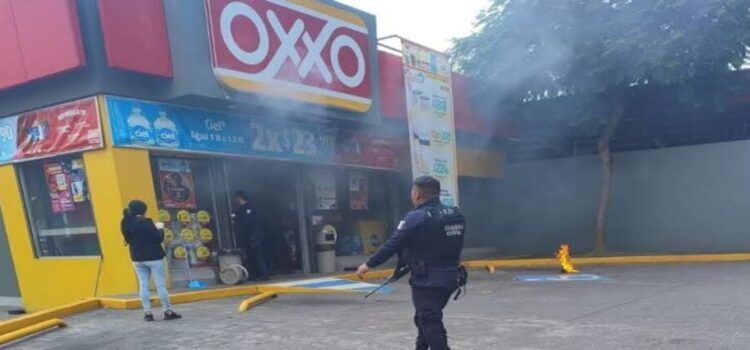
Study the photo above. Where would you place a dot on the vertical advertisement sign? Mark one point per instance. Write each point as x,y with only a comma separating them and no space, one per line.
429,105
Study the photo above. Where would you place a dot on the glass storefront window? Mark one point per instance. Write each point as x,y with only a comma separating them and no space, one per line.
58,206
186,197
356,203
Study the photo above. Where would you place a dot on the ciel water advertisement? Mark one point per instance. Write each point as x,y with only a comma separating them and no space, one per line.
144,124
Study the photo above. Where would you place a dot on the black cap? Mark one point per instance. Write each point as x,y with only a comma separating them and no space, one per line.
428,185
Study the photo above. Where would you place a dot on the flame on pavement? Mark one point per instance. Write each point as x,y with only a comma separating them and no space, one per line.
563,254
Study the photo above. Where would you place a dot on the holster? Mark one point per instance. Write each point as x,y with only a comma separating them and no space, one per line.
424,275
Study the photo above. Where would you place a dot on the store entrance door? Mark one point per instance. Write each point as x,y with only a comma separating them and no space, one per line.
9,294
272,190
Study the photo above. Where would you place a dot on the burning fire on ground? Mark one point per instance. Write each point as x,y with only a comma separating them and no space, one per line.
564,256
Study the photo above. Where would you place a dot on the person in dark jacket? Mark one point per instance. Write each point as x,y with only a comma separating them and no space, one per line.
250,236
430,238
144,238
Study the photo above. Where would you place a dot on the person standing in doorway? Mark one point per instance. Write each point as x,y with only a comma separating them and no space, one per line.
250,236
430,238
144,238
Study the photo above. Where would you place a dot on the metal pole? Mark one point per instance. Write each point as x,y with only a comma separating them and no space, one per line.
305,242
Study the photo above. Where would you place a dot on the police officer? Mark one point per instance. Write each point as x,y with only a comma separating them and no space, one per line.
431,238
250,235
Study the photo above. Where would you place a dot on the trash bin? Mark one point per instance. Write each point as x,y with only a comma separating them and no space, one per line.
325,247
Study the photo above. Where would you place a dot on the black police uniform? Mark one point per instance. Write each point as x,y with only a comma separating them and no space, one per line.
250,237
431,237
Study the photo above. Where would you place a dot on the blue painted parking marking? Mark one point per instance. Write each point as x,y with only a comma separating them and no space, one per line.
335,283
561,278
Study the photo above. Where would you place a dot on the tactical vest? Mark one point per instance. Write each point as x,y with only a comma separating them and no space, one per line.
438,242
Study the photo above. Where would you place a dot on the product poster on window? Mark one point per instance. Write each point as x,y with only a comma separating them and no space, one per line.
325,190
66,185
176,183
359,192
429,104
78,181
59,189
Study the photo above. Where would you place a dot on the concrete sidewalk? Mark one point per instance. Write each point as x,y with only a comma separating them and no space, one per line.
640,307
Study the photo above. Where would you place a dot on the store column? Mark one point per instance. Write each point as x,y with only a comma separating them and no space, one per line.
117,177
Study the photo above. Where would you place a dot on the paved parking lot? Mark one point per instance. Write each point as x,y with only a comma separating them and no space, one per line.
639,307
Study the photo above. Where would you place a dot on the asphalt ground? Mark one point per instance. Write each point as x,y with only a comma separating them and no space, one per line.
702,306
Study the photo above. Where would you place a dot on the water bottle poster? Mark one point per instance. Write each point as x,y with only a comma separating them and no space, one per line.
66,128
176,183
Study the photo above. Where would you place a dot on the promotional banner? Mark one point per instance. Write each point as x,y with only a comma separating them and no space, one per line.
429,104
176,183
8,143
145,124
369,151
66,128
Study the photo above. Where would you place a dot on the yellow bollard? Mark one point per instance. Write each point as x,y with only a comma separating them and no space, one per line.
248,303
30,330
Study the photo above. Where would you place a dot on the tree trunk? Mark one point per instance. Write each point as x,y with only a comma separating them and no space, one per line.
605,154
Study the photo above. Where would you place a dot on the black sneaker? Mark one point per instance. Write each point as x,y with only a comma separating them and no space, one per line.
170,315
148,317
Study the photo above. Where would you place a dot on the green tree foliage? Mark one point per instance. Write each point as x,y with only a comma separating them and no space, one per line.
597,55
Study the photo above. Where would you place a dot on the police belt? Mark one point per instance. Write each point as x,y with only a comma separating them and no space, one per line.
425,264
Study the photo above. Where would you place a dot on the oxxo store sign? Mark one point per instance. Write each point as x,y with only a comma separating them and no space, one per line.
304,50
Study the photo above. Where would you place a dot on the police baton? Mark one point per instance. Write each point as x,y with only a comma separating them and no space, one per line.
400,271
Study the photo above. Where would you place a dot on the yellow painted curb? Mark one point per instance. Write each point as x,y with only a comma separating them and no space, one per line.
21,322
184,298
30,330
300,290
491,265
248,303
610,260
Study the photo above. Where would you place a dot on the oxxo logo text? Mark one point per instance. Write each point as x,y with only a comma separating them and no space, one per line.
304,50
